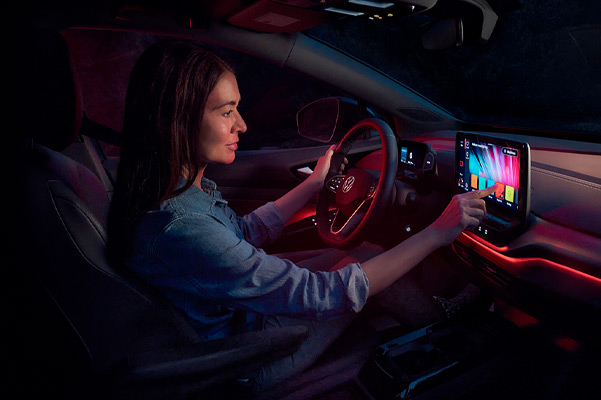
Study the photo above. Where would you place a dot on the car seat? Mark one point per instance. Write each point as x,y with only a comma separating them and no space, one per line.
86,327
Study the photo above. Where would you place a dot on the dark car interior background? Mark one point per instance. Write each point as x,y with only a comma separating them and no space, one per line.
452,81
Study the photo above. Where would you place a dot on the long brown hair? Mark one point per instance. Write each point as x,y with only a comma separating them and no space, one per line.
165,103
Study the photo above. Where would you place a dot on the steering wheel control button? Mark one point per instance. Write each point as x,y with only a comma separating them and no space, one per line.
335,182
371,191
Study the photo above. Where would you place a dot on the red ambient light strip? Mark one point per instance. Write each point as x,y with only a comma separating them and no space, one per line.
529,266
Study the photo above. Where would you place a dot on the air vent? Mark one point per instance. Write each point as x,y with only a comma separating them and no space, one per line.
419,114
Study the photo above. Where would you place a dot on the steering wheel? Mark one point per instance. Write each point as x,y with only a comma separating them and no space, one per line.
361,195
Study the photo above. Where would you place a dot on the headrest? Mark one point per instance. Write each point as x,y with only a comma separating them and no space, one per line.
49,93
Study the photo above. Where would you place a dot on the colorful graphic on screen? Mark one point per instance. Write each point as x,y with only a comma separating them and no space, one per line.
483,164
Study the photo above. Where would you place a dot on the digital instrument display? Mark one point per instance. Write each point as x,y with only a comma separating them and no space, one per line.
409,156
417,163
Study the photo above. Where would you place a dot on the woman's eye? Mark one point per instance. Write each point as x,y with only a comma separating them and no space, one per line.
227,113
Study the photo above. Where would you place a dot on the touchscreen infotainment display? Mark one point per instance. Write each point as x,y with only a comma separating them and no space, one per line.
482,161
482,164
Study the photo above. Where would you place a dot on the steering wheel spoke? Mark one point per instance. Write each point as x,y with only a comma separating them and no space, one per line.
342,223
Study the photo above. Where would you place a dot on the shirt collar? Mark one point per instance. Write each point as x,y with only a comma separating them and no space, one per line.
209,188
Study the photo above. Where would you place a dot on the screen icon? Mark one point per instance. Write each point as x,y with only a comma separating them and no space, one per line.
509,193
481,182
500,192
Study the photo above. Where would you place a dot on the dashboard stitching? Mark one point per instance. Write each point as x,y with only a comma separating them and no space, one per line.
568,178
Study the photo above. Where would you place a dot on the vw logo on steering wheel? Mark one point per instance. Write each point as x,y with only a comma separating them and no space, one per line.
348,184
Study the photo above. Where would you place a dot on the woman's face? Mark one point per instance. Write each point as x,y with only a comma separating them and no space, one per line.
221,124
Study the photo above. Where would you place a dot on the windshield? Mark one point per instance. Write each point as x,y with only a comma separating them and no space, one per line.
541,68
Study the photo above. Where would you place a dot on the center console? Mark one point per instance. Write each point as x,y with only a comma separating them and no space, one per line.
439,361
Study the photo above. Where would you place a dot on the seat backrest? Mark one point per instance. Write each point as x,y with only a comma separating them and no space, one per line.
111,313
98,311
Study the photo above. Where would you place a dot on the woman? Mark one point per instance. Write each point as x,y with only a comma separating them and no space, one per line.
171,226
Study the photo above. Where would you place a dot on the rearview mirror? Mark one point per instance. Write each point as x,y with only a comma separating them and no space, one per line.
474,24
443,34
330,118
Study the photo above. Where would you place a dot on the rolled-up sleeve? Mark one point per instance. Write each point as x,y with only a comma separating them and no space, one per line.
203,257
356,285
264,225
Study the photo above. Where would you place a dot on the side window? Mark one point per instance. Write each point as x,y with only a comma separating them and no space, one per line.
271,97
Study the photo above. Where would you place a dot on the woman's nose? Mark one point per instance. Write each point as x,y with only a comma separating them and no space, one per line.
240,125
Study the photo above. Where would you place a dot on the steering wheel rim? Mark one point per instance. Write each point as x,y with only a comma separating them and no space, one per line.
376,201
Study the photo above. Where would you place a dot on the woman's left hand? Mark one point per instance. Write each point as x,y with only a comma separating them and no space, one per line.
323,166
294,200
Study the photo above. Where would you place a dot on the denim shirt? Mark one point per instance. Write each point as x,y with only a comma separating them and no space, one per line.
206,260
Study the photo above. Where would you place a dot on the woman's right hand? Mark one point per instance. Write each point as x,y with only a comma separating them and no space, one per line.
465,211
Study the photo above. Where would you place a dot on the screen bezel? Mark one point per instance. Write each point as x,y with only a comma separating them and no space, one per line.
523,211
